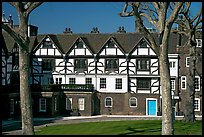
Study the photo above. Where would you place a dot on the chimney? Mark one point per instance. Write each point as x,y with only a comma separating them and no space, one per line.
121,30
4,19
95,30
67,30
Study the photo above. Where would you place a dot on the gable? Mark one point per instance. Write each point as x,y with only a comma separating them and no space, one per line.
47,47
111,47
80,47
142,48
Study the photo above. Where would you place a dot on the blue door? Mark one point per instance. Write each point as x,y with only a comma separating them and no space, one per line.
151,107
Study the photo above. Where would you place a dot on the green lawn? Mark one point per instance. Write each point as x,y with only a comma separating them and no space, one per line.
136,127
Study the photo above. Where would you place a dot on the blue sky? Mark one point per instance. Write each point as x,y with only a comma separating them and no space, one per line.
81,17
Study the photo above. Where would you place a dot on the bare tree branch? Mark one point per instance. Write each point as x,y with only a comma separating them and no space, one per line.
32,6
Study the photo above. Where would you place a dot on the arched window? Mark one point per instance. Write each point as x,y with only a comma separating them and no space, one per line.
133,102
108,102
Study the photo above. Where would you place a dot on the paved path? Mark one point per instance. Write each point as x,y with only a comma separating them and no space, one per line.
14,127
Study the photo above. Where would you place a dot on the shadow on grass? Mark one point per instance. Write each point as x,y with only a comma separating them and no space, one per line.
17,125
134,131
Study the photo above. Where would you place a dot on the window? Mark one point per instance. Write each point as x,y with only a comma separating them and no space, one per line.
197,83
79,45
111,44
183,82
102,83
81,103
172,64
47,64
133,102
72,80
88,80
187,61
58,81
199,42
108,102
47,44
143,64
111,64
118,83
197,104
68,103
143,83
143,44
80,64
11,106
42,105
50,80
172,84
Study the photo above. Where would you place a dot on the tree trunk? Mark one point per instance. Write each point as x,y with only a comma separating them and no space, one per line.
25,93
167,121
189,113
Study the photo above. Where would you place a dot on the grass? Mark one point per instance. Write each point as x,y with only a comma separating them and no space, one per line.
136,127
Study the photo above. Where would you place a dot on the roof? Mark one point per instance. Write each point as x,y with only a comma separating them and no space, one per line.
95,42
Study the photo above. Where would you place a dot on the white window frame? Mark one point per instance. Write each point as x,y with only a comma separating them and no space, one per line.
110,100
198,83
118,83
172,64
135,102
68,103
81,103
58,80
187,61
40,105
173,84
183,79
199,42
197,99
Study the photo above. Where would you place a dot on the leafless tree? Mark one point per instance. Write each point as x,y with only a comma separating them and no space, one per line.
21,38
190,26
156,13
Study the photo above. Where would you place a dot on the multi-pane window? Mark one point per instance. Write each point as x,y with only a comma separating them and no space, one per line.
172,64
15,60
80,64
187,61
102,83
118,83
47,64
72,80
133,102
197,104
172,84
143,83
183,82
197,83
42,104
68,103
58,81
88,80
143,64
199,42
108,102
111,64
11,106
81,103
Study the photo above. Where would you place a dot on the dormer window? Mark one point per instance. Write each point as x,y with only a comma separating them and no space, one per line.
111,64
79,45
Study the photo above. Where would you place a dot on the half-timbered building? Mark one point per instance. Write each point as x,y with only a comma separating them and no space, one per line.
97,74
